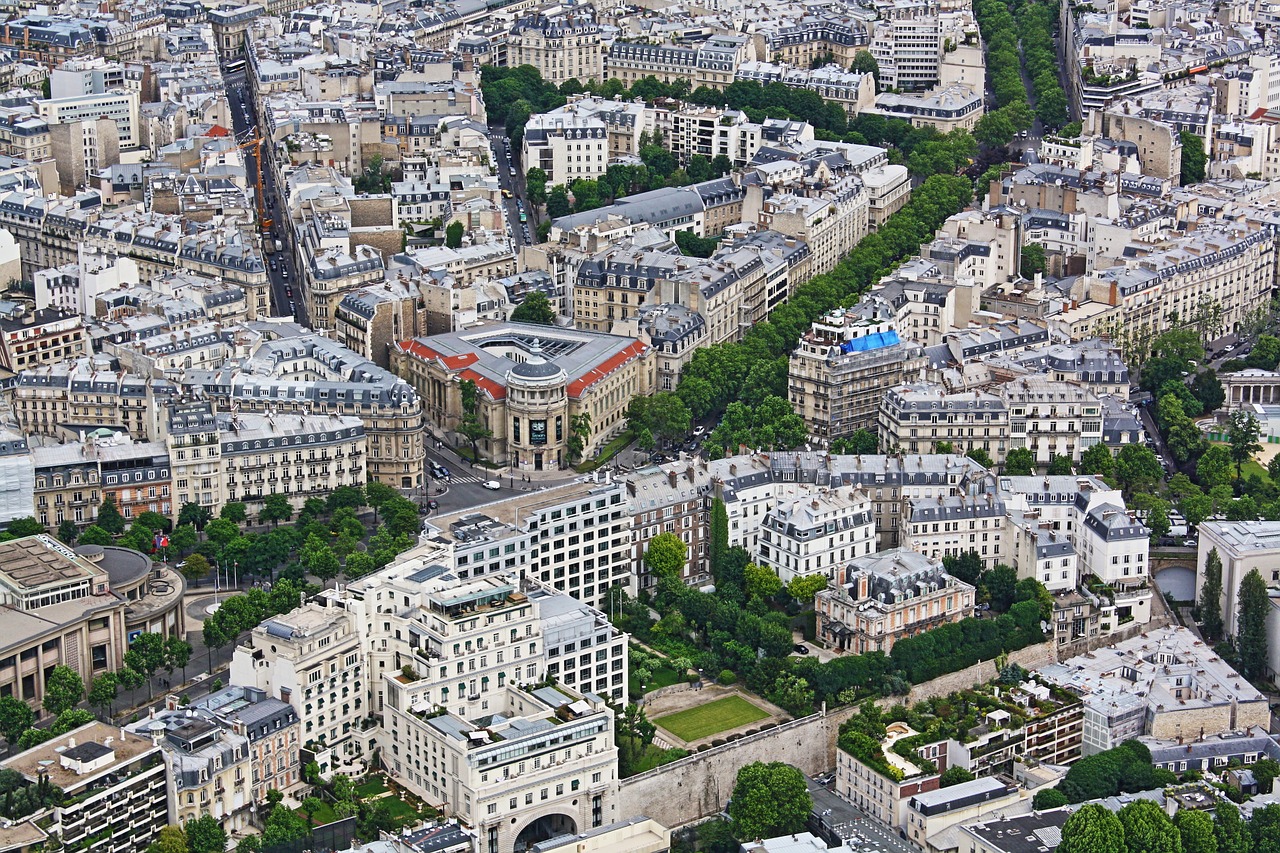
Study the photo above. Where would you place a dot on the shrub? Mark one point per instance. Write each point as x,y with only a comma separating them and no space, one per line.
727,676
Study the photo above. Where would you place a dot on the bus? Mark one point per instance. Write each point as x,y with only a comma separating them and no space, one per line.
235,66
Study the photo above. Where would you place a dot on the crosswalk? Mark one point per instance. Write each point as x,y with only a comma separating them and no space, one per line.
464,478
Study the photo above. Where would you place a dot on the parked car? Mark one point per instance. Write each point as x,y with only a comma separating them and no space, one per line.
433,504
699,431
1190,543
492,485
801,649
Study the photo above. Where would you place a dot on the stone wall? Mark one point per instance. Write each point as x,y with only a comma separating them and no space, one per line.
699,786
1029,658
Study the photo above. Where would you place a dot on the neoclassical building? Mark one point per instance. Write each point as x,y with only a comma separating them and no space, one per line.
532,382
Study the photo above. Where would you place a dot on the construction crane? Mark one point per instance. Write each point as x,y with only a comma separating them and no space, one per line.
256,144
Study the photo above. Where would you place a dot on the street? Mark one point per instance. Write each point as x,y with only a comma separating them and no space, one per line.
853,826
280,268
465,486
510,178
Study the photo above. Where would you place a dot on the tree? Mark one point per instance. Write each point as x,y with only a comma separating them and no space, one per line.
102,692
1147,829
1265,770
579,434
982,457
1193,158
1033,260
1207,388
865,63
558,202
453,234
1211,596
471,428
954,775
276,508
1059,465
1229,829
995,130
1251,639
195,515
206,835
195,567
1020,462
1243,432
220,532
965,566
109,518
170,839
769,800
67,532
146,655
1092,829
665,556
284,826
16,717
1001,583
804,587
234,512
63,689
536,309
183,539
130,679
1195,829
1213,468
761,581
177,654
318,559
1049,798
1138,469
95,535
1097,459
535,185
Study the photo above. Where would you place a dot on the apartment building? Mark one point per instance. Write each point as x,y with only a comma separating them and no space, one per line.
932,812
567,146
1164,684
1218,264
845,365
311,658
948,526
577,538
305,374
209,765
956,107
561,49
883,782
370,321
711,63
880,598
48,336
1242,547
89,392
272,730
816,534
115,792
751,485
540,763
917,417
671,498
1051,418
66,484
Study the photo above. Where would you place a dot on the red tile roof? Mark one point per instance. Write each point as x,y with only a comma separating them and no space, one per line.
217,131
601,371
455,362
493,389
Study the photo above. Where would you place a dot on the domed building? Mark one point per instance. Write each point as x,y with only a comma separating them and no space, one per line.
537,388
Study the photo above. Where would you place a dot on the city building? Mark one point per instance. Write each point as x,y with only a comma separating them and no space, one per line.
272,729
209,766
114,783
879,598
535,387
77,609
816,534
561,50
846,365
311,658
917,417
567,146
1165,684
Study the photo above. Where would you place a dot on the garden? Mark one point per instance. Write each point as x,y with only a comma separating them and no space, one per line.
720,715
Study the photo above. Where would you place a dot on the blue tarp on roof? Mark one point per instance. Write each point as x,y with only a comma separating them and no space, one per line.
878,340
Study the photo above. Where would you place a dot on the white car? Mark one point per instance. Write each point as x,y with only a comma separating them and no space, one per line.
492,485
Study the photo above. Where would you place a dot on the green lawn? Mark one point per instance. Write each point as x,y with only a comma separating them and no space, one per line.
373,787
718,716
401,812
321,816
610,450
662,677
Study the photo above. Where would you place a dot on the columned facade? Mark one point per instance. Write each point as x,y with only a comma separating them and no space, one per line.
1249,387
